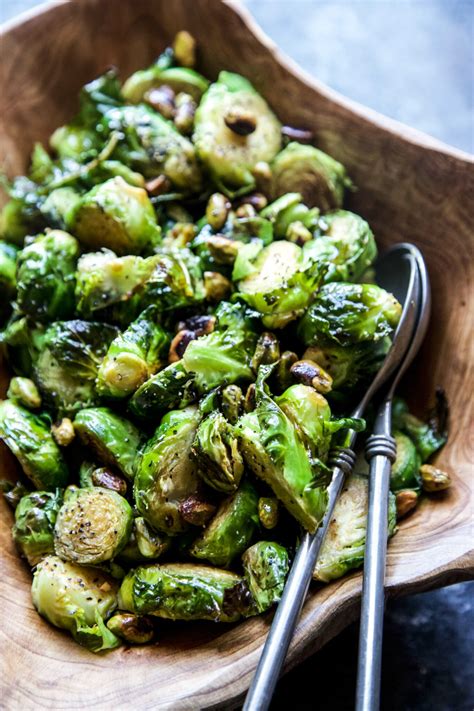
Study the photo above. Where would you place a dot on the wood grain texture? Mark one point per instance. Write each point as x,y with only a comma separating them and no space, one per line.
411,188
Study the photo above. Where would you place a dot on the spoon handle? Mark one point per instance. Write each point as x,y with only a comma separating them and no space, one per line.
380,452
289,607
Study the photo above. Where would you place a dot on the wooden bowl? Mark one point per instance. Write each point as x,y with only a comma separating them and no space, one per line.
411,188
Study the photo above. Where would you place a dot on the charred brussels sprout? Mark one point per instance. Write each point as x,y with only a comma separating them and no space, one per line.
76,599
348,314
266,567
27,435
183,591
114,440
231,530
281,283
406,467
92,525
152,145
68,363
217,454
320,179
217,358
344,544
165,473
347,244
33,530
428,436
228,155
46,276
133,357
117,216
24,392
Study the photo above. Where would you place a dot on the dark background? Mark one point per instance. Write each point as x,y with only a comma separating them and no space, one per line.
411,60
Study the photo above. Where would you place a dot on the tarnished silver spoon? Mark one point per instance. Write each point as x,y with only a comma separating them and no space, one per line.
396,271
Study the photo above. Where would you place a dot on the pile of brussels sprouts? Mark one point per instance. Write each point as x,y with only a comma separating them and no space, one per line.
189,314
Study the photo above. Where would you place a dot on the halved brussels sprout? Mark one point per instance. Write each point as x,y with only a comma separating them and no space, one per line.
117,216
133,357
405,472
179,79
217,454
76,599
183,591
428,436
92,525
266,566
67,365
344,544
320,179
114,440
46,276
24,392
347,244
348,314
281,284
216,358
108,286
27,435
285,441
165,473
175,281
228,155
58,205
288,210
33,531
153,146
231,529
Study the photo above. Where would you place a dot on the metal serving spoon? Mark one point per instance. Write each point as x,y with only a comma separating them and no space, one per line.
399,262
381,452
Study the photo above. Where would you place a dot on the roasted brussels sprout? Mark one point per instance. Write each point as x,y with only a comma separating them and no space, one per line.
347,244
165,473
218,358
217,454
27,435
344,544
108,286
281,283
92,525
289,211
24,392
427,437
228,155
231,529
114,440
133,629
320,179
175,281
152,145
8,254
33,530
268,511
58,205
183,591
144,544
76,599
74,141
348,314
46,276
13,492
406,467
133,357
67,365
117,216
266,567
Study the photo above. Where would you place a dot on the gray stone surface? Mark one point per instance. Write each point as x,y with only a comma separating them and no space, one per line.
412,60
